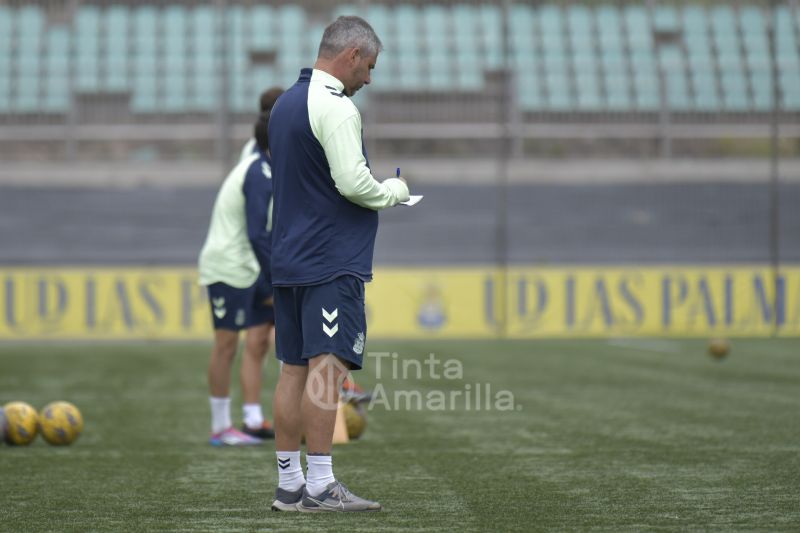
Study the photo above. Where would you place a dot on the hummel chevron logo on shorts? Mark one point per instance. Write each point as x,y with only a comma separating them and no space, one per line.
328,318
219,307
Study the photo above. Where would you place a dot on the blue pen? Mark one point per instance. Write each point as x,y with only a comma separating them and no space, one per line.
398,172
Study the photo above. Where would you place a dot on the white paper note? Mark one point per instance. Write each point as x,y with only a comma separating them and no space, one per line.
412,200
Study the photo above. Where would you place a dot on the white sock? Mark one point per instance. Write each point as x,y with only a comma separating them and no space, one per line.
220,414
290,473
253,417
320,473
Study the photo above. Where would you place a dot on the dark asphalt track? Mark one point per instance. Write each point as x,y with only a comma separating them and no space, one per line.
642,223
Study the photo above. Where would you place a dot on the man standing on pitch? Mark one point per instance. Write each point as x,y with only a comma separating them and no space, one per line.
324,225
234,266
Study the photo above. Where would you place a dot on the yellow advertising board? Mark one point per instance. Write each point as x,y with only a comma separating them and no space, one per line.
586,301
426,302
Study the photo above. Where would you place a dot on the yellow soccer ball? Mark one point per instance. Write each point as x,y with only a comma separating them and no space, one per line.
719,348
21,423
60,423
355,418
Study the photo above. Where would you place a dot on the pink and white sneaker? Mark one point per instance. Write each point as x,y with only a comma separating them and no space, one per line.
233,437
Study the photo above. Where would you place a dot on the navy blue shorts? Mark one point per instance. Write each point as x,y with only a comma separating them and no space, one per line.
238,309
317,319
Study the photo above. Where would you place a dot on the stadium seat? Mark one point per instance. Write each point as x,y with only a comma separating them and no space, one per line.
672,62
609,29
700,58
790,87
27,93
470,79
145,60
576,56
704,87
665,18
263,77
638,29
696,34
646,91
617,90
522,26
552,28
175,70
115,52
729,58
436,27
588,91
788,59
786,39
410,72
491,33
529,92
57,90
407,28
613,59
239,98
756,58
57,95
6,26
314,36
734,88
581,39
5,101
559,91
175,92
145,31
202,88
29,26
5,79
761,82
262,27
29,22
438,75
145,90
465,46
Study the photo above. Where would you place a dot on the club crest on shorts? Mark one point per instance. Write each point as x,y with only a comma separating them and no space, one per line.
358,346
240,317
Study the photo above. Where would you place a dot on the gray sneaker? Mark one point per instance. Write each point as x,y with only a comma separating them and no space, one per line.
286,500
335,497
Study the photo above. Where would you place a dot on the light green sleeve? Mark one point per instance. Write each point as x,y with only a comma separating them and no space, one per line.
247,149
350,173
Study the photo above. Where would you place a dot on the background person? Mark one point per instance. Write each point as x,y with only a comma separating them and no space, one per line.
265,103
234,265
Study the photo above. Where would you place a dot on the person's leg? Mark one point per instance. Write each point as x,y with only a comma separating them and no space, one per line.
229,314
286,401
288,433
257,344
320,402
334,337
286,406
219,377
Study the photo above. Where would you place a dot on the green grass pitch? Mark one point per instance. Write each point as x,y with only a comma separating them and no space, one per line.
605,435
